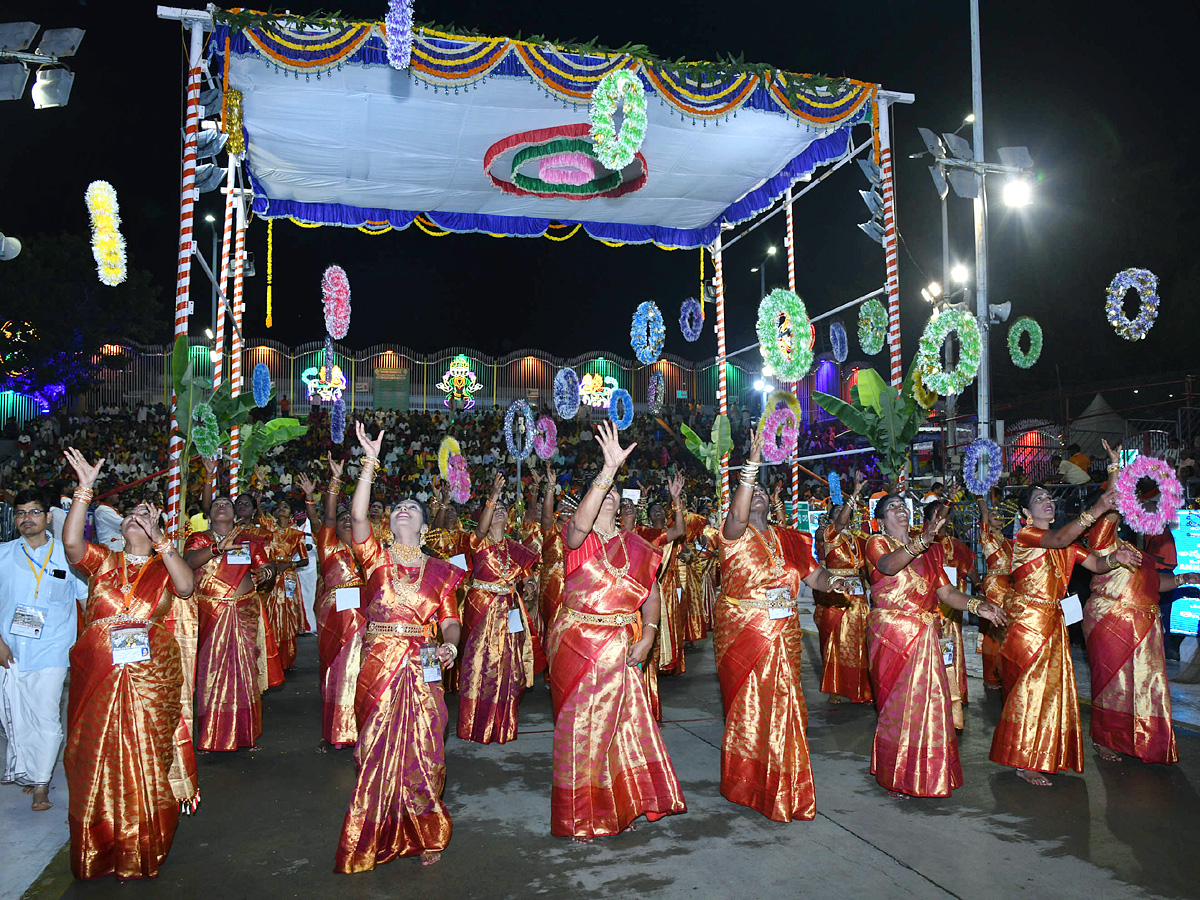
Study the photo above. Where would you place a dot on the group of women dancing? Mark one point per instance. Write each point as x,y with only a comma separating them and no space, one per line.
392,637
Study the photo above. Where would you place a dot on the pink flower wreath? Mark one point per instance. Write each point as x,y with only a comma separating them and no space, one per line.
1170,495
781,435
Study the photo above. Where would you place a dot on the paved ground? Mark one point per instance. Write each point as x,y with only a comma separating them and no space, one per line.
269,822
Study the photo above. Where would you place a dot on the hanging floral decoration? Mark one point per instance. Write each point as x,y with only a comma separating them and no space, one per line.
399,24
781,433
691,319
981,466
459,479
839,341
621,398
108,247
1025,325
783,330
335,291
617,149
924,396
656,392
835,490
526,448
337,421
449,447
1145,283
647,333
1170,495
260,381
779,399
566,393
205,433
872,326
545,440
970,345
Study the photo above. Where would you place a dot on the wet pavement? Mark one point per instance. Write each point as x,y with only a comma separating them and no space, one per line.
269,822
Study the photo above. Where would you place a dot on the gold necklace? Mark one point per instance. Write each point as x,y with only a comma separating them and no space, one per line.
404,590
608,566
406,554
505,567
776,558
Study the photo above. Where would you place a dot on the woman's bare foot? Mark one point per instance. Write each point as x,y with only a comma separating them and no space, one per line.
41,798
835,699
1107,754
1037,779
428,859
897,795
253,749
583,840
322,747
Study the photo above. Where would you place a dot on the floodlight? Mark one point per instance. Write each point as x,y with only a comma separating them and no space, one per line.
965,183
209,217
208,333
873,230
969,118
214,355
1017,157
60,42
52,88
939,181
771,250
1018,192
768,371
960,274
871,171
935,289
209,177
210,142
959,147
932,143
9,248
13,77
210,103
760,385
999,312
754,270
17,35
874,203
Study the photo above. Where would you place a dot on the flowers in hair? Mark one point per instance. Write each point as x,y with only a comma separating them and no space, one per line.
545,441
335,295
108,247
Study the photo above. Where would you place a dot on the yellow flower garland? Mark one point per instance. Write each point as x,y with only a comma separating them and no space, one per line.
108,247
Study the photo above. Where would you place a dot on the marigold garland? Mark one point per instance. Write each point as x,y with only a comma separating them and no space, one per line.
260,382
691,316
617,149
108,247
988,452
781,433
647,333
839,341
784,348
656,392
399,25
970,345
872,326
1024,325
205,433
624,399
526,449
1145,283
335,295
566,393
448,448
545,440
459,479
1170,495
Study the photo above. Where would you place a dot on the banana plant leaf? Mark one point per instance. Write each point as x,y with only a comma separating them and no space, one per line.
258,437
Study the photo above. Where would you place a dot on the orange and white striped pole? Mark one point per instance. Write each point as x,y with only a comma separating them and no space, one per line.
235,341
890,248
722,393
791,254
183,277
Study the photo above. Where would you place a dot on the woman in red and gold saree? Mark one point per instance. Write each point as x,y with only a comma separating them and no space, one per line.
397,807
339,631
841,618
284,602
1131,700
997,551
232,646
123,708
497,662
550,570
1039,730
915,750
700,585
758,642
610,763
958,561
668,652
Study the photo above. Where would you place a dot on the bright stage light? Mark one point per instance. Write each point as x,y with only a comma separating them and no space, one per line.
960,274
1018,192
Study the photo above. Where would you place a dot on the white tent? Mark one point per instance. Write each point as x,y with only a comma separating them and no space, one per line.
1097,422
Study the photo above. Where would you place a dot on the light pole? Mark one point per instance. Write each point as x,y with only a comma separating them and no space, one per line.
761,269
211,331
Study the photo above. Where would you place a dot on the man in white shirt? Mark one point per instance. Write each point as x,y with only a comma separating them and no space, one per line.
38,593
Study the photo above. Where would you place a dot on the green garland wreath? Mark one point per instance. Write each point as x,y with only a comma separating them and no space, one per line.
1025,325
872,326
970,344
205,433
788,366
618,88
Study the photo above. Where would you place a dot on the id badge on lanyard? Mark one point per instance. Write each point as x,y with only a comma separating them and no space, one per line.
947,650
130,644
28,621
779,612
515,624
240,556
431,666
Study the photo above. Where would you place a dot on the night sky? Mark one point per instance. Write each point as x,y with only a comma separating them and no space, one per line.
1096,91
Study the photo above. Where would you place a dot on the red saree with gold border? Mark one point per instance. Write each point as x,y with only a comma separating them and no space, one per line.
121,725
765,763
1039,728
1131,699
339,639
842,622
700,589
397,807
610,763
495,665
284,603
915,750
997,550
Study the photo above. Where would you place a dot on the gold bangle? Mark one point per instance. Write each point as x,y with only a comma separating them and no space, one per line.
653,625
1086,519
164,547
602,481
453,650
973,606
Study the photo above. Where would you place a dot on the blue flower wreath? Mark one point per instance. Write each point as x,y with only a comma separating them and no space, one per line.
691,319
656,392
337,421
261,383
977,484
530,429
647,333
566,393
625,419
837,339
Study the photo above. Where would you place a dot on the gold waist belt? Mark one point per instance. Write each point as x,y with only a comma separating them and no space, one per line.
1033,601
615,620
1121,601
403,629
122,619
845,573
997,573
348,584
751,603
492,587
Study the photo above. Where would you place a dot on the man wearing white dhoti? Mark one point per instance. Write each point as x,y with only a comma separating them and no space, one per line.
38,593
